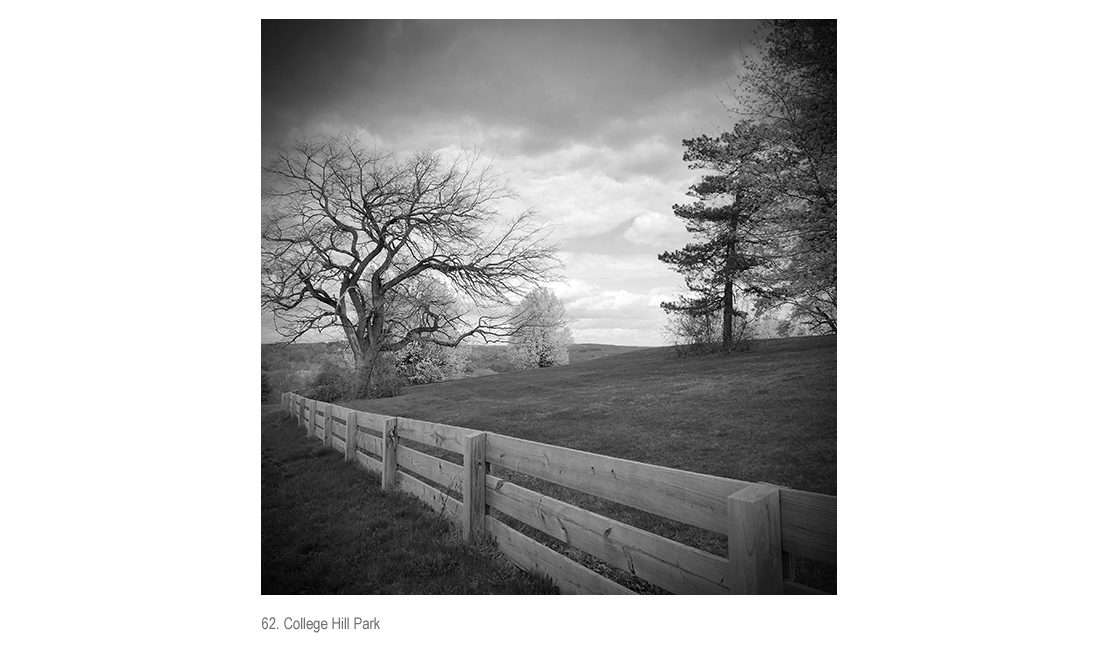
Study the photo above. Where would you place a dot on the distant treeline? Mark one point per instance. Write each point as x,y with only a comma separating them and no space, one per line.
294,367
304,356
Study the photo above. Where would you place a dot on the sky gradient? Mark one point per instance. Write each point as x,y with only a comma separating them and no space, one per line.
585,119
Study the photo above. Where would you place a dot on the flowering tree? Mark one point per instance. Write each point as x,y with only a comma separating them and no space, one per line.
541,338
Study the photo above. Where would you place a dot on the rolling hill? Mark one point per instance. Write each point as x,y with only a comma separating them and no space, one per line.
768,415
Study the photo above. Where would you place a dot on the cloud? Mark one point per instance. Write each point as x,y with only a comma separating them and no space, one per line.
654,228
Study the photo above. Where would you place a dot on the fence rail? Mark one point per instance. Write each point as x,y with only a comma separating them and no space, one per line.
766,526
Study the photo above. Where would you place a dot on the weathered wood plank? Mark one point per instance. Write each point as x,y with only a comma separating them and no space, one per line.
666,563
449,507
369,463
791,587
338,445
368,443
808,524
374,423
338,429
474,485
439,435
328,424
684,496
432,468
531,556
755,550
389,446
351,436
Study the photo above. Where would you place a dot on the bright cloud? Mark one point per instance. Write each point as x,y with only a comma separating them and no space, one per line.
654,228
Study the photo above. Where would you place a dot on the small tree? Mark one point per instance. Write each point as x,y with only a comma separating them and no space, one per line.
541,338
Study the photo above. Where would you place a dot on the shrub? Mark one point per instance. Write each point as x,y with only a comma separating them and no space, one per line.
338,380
424,362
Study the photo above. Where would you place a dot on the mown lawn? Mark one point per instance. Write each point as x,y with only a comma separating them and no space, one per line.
328,528
767,415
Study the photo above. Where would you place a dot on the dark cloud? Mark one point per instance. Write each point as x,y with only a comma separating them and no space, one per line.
552,81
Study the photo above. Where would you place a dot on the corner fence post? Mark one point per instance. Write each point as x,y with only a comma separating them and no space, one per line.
328,424
755,540
388,445
474,485
351,435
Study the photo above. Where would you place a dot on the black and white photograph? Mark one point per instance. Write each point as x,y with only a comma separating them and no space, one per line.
545,308
548,307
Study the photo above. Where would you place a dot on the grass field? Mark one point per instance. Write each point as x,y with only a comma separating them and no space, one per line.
328,528
768,415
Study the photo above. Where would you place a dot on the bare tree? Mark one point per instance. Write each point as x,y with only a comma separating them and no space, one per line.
392,250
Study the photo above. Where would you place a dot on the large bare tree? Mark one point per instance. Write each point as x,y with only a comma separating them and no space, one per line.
392,249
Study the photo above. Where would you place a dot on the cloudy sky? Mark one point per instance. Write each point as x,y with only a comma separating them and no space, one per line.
586,120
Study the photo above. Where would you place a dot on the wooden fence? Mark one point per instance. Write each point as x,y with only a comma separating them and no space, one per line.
765,526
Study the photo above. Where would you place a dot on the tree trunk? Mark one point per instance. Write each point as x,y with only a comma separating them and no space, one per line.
731,274
727,314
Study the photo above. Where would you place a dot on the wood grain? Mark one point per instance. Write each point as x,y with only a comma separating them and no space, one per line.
474,485
808,524
531,556
755,550
438,435
389,444
432,468
691,498
351,435
668,564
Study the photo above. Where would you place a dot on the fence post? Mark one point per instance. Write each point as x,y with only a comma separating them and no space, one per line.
311,421
351,435
474,485
388,445
755,540
328,424
300,414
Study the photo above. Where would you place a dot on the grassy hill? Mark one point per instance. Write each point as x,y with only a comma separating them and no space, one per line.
766,415
585,352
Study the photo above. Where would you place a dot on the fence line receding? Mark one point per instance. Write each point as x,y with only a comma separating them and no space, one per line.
766,527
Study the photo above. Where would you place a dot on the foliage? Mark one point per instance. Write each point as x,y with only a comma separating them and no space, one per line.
765,216
421,363
790,91
338,380
737,240
694,333
541,338
391,250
